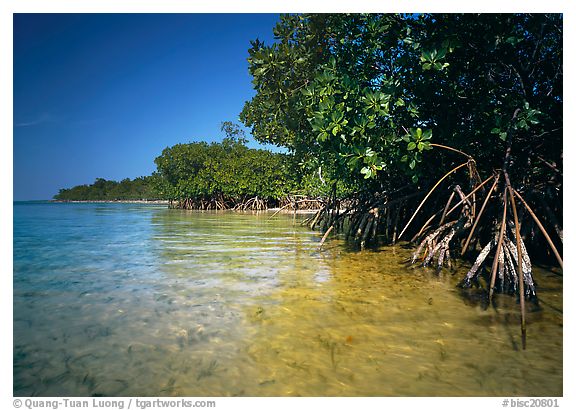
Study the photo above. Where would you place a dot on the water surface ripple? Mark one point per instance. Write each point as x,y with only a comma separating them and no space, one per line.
139,300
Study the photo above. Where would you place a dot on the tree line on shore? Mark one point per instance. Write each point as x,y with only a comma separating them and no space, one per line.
209,176
108,190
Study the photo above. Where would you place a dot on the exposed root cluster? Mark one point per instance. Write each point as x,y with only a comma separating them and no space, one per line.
361,225
368,221
246,203
437,244
203,204
252,204
300,202
507,263
434,247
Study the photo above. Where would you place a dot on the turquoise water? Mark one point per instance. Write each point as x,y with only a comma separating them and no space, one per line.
139,300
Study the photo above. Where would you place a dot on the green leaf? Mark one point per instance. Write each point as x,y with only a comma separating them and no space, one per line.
414,178
412,164
420,146
367,172
503,136
352,162
411,145
260,71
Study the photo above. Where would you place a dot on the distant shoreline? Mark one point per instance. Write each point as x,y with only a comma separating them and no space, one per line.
119,201
166,202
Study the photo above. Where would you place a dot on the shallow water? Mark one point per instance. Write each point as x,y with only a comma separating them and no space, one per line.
139,300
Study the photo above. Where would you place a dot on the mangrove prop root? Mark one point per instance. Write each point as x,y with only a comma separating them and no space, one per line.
370,228
535,218
463,199
448,259
473,272
325,236
446,208
510,269
374,232
440,248
361,227
501,266
395,224
430,193
451,149
429,240
278,211
477,218
498,249
317,217
518,240
530,290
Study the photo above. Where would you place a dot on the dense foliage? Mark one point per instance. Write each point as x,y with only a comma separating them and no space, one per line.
365,95
105,190
203,175
224,175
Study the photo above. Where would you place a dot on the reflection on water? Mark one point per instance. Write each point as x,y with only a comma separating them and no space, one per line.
132,300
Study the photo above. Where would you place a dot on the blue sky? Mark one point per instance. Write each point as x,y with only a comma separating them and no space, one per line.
100,95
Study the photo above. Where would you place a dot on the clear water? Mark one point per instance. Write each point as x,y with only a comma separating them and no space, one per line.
139,300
